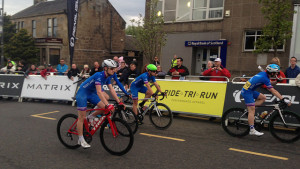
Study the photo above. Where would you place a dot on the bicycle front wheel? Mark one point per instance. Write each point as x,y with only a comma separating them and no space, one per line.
129,117
111,138
288,132
65,133
235,122
161,116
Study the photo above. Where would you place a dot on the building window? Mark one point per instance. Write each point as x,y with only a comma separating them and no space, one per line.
33,28
49,27
22,24
54,27
192,10
251,36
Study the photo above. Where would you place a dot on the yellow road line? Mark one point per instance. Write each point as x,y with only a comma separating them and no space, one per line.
258,154
49,118
170,138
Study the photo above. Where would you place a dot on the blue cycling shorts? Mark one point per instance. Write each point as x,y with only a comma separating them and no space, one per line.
135,91
250,97
83,96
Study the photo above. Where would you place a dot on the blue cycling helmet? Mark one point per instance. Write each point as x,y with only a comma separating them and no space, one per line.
273,68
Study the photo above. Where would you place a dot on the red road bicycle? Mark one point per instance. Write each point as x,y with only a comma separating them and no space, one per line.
115,134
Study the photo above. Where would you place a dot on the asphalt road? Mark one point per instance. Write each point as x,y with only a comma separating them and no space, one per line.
28,141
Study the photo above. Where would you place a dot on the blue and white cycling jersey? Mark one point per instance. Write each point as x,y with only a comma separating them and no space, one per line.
256,81
142,79
98,78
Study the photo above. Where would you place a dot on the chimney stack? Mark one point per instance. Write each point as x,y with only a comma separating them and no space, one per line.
38,1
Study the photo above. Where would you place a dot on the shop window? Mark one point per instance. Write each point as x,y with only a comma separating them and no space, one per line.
54,56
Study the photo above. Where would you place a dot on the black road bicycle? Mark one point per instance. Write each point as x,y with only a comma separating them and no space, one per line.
283,125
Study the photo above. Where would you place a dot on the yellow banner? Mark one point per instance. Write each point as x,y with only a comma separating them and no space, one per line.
193,97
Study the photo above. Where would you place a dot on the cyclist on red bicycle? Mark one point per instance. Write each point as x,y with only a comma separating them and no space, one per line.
138,86
91,90
253,98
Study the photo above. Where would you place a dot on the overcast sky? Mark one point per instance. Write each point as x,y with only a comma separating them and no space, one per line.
128,9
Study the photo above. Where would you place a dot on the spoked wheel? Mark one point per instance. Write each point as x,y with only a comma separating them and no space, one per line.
130,118
65,133
161,116
111,138
235,122
286,133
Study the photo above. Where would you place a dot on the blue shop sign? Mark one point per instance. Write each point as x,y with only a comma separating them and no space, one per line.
206,43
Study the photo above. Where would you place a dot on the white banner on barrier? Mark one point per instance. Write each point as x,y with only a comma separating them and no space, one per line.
54,88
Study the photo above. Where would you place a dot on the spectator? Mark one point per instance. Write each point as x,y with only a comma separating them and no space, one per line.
217,70
179,72
123,68
85,72
293,70
9,69
21,68
96,68
46,72
155,61
62,68
32,71
73,72
160,73
281,75
131,72
209,65
9,60
243,79
174,61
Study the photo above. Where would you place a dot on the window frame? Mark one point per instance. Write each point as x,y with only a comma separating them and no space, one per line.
54,27
255,39
33,23
49,27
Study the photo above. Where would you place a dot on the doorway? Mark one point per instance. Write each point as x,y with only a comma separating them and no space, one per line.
202,56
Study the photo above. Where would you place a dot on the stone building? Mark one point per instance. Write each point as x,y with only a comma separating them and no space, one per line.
201,30
100,30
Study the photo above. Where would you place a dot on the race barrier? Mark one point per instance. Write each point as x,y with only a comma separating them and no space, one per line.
11,85
54,88
194,97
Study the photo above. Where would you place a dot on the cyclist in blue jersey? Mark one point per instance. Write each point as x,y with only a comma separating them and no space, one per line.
253,98
91,90
138,86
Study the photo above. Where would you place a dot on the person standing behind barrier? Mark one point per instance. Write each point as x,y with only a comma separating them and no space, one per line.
46,72
73,72
131,72
85,72
217,70
280,75
179,72
155,61
21,68
160,74
9,69
9,60
96,68
122,68
62,68
174,61
32,71
209,65
293,70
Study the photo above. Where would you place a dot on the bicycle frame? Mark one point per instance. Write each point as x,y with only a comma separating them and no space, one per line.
107,116
153,103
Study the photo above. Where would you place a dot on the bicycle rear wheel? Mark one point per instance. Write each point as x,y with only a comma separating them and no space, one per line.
235,122
68,139
129,117
286,133
161,116
119,144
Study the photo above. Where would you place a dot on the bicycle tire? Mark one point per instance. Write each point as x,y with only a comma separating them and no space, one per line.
167,116
234,124
66,138
130,118
122,142
286,134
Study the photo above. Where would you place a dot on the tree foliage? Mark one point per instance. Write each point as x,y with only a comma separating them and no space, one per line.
21,47
278,28
151,35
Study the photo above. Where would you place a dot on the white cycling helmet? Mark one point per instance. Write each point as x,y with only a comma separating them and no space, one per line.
273,68
109,63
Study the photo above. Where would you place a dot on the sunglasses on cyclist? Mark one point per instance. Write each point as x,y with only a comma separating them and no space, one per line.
154,71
